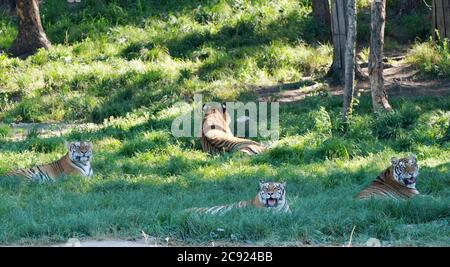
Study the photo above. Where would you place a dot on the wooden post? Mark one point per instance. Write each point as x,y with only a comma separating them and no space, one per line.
31,35
339,31
441,19
350,59
378,18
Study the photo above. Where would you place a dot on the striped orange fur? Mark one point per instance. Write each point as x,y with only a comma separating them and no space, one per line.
76,161
398,181
216,135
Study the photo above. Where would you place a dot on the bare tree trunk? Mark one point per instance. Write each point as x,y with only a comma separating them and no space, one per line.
31,35
339,32
378,18
441,19
350,59
321,11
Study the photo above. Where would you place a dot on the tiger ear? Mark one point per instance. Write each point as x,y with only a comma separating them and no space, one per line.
224,106
67,144
394,160
413,157
283,183
261,183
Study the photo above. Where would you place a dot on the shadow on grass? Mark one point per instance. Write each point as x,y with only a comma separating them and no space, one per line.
245,33
96,17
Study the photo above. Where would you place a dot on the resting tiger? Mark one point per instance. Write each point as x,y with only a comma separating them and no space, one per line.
271,195
398,181
76,161
216,135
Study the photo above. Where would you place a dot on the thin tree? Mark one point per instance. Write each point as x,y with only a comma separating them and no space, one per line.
378,18
31,35
350,48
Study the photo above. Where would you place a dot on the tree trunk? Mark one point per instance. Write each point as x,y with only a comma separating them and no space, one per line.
321,11
339,32
31,35
350,59
378,18
441,19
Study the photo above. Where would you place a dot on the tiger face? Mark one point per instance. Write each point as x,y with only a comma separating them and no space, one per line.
215,108
80,151
271,194
405,170
216,117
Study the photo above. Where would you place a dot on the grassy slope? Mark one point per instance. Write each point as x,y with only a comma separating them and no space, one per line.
116,59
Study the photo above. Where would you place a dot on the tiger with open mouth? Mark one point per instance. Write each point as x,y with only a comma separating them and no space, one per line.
398,181
271,195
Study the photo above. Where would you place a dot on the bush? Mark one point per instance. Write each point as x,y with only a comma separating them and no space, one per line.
387,124
430,58
336,148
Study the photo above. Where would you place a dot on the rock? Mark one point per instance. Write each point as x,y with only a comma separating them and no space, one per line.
73,242
373,242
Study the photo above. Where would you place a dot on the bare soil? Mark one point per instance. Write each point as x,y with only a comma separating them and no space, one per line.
401,79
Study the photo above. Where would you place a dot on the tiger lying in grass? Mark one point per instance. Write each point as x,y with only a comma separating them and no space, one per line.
271,195
398,181
76,161
216,135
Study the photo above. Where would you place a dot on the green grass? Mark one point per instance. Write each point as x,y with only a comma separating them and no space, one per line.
123,67
144,178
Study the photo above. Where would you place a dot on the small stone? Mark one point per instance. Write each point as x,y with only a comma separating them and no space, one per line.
73,242
373,242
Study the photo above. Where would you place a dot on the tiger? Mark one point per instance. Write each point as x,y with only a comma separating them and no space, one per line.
271,195
216,136
398,181
76,161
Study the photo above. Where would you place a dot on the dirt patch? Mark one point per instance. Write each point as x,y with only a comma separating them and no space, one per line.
21,130
400,80
105,243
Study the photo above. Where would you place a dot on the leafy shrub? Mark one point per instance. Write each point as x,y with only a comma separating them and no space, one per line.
430,58
336,148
